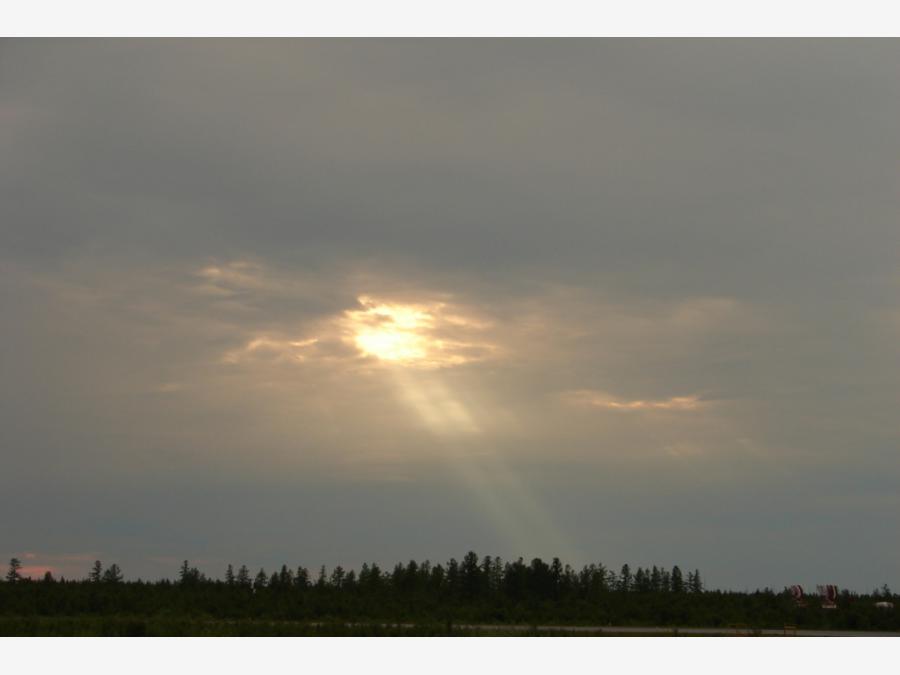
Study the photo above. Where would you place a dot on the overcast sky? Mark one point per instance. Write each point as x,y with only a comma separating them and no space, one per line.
326,302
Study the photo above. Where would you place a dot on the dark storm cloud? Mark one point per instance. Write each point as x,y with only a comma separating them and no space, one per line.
618,224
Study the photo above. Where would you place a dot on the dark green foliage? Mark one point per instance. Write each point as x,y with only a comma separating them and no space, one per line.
428,597
12,576
677,580
243,577
655,580
189,576
695,585
625,578
112,575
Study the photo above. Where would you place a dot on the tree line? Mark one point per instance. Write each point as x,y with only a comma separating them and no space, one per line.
472,590
469,577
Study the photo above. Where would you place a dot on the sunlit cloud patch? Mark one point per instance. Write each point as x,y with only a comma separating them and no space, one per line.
606,401
263,347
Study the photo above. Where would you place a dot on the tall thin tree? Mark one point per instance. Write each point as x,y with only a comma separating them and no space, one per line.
12,576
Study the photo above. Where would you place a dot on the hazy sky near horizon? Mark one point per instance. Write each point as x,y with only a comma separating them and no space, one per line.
327,301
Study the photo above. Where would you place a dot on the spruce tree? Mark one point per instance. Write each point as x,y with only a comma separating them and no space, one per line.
677,580
96,572
184,574
665,581
655,580
286,576
470,574
612,580
375,576
697,585
496,574
112,575
453,575
12,576
243,576
556,572
625,578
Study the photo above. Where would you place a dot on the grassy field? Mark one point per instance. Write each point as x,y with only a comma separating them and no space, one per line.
91,626
162,627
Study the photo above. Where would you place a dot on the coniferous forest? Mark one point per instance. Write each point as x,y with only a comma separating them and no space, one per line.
417,598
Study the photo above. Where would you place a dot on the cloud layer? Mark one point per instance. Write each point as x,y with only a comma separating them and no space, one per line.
320,301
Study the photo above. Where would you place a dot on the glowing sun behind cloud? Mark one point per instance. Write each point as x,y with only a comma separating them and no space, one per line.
418,335
391,332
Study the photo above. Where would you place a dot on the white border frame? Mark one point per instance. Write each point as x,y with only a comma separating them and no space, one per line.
461,17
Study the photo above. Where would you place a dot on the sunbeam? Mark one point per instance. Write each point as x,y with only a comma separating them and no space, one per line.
459,441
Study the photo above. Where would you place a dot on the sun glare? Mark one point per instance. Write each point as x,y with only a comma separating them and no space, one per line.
390,332
391,344
409,334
